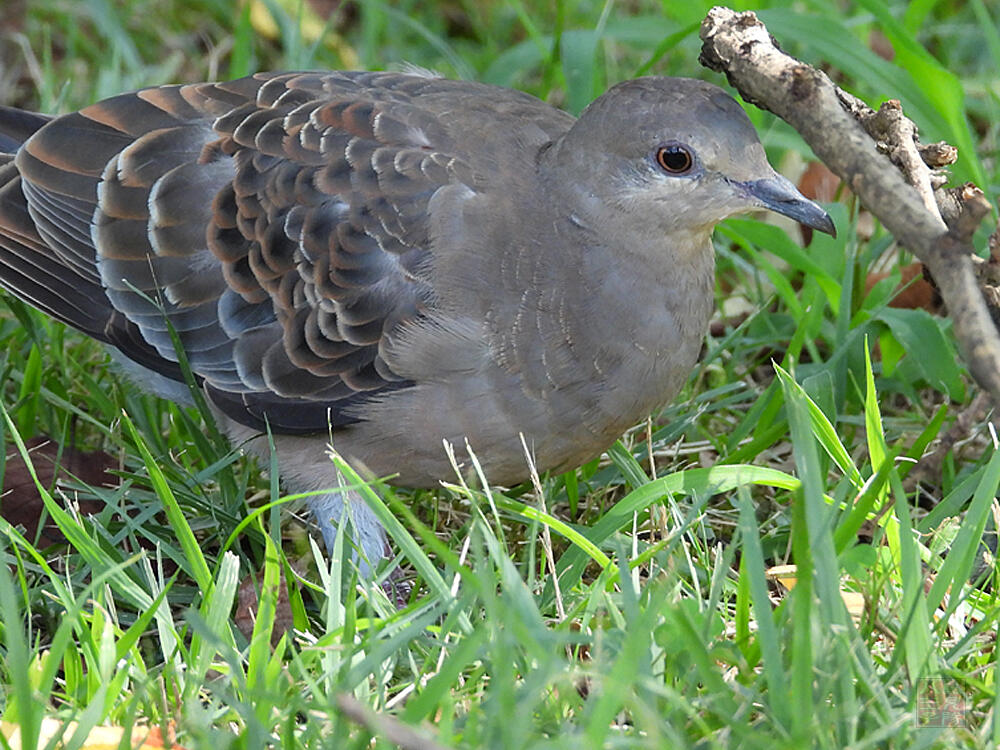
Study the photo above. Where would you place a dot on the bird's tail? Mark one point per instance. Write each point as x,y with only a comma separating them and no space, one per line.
28,267
32,271
17,126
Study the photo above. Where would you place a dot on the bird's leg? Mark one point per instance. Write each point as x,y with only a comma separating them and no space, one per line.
306,467
365,534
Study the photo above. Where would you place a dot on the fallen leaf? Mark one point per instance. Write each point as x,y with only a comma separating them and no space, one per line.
248,603
787,576
20,502
99,738
914,291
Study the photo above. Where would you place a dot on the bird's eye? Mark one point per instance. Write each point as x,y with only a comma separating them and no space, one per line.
674,159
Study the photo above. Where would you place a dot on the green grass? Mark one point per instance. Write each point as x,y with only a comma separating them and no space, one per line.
623,605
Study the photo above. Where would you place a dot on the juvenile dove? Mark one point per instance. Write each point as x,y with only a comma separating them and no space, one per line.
393,259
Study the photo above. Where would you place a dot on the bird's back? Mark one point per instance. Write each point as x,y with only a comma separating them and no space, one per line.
282,225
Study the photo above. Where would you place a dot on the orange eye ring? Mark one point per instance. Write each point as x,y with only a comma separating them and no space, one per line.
674,159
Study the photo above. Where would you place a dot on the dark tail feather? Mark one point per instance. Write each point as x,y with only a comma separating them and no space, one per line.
27,267
32,272
17,126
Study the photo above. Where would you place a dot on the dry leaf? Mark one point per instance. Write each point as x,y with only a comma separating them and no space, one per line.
20,503
248,602
786,575
99,738
915,292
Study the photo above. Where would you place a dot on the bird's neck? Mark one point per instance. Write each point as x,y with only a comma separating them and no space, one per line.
672,282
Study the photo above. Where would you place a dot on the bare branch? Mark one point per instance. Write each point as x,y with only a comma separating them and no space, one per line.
896,137
388,726
878,158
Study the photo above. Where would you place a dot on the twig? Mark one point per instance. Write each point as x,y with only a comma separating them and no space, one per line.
389,727
839,129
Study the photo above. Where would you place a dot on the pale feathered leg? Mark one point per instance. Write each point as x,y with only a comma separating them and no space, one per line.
367,535
305,466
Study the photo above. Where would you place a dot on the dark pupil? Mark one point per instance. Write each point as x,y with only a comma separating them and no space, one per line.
674,159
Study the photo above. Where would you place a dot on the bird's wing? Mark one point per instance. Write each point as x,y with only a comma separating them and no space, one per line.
278,223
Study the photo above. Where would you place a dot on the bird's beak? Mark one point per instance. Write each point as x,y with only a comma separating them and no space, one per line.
780,195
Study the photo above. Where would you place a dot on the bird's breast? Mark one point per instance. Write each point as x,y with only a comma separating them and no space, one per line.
568,363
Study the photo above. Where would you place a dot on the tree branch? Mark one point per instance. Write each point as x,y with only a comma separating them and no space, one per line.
877,156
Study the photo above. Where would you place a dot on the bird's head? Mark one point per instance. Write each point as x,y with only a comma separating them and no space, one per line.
674,154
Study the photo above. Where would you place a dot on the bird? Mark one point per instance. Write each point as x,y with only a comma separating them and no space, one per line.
389,261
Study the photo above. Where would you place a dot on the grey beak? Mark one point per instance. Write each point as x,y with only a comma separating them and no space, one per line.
780,195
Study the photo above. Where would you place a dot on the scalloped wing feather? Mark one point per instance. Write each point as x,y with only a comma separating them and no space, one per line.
279,224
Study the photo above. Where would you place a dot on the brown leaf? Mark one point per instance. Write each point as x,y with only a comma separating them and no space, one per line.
99,738
20,502
915,292
818,183
248,603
